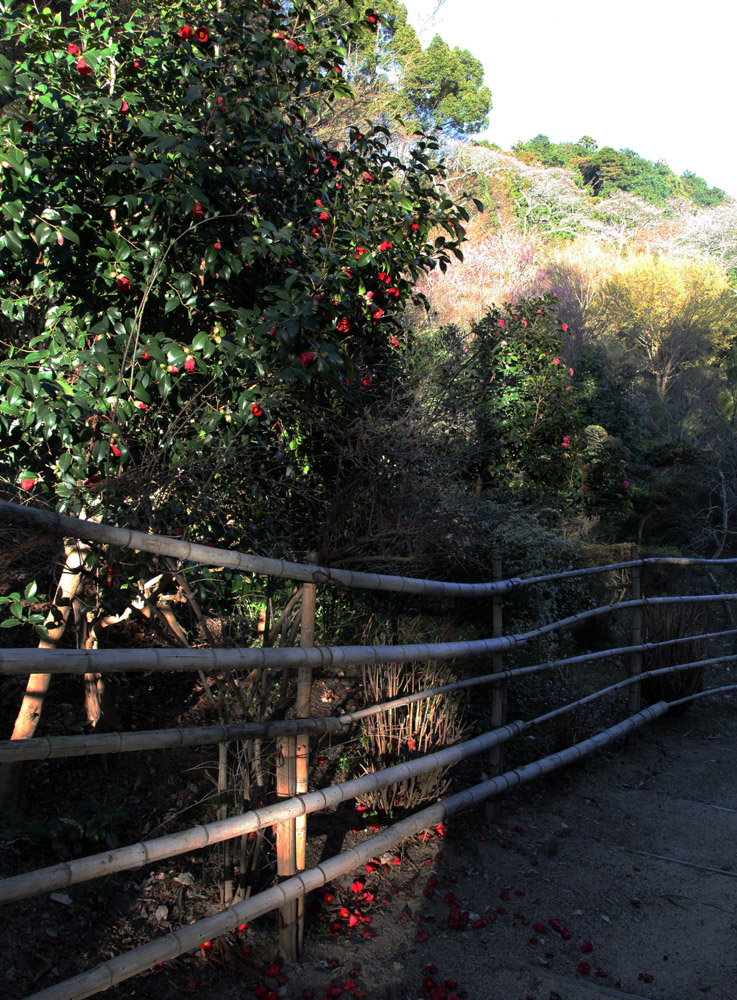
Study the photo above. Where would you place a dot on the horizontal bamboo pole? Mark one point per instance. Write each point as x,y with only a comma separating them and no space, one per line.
48,747
702,694
508,675
95,866
147,852
627,682
62,524
204,555
53,747
188,938
109,661
114,661
611,567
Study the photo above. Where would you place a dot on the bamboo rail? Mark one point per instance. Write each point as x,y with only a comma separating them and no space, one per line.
189,938
288,810
146,852
48,747
62,524
141,541
109,661
54,747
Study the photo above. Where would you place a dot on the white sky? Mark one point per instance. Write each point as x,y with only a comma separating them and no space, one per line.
657,76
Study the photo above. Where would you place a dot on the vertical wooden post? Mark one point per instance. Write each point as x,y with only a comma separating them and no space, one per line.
303,708
499,691
286,782
292,772
227,895
635,664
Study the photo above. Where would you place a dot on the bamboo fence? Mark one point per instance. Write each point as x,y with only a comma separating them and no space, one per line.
288,815
54,747
205,555
189,938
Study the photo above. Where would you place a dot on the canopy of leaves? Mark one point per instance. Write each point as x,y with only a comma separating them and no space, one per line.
183,265
606,170
435,88
672,314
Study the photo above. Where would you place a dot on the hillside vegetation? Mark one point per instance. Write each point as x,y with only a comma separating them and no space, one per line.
233,312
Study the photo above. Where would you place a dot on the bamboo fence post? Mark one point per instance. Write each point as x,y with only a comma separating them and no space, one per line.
635,664
292,760
286,847
302,761
499,692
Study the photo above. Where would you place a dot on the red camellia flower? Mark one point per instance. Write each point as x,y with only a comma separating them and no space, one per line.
360,251
306,358
189,364
376,315
136,64
115,450
324,217
372,18
584,968
201,34
386,245
367,381
122,283
198,211
124,106
185,32
344,325
367,177
256,410
141,406
82,67
564,327
586,947
27,484
74,50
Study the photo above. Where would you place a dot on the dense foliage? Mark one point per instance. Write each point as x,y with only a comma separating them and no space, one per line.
433,88
183,264
605,170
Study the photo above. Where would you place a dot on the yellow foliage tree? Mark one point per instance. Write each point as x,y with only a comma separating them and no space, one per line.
672,313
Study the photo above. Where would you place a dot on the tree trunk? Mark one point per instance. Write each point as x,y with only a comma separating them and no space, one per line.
75,553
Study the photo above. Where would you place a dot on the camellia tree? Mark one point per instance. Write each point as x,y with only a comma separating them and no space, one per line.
181,259
184,267
525,432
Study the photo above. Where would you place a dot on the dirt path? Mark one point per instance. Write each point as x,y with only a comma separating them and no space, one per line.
631,851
